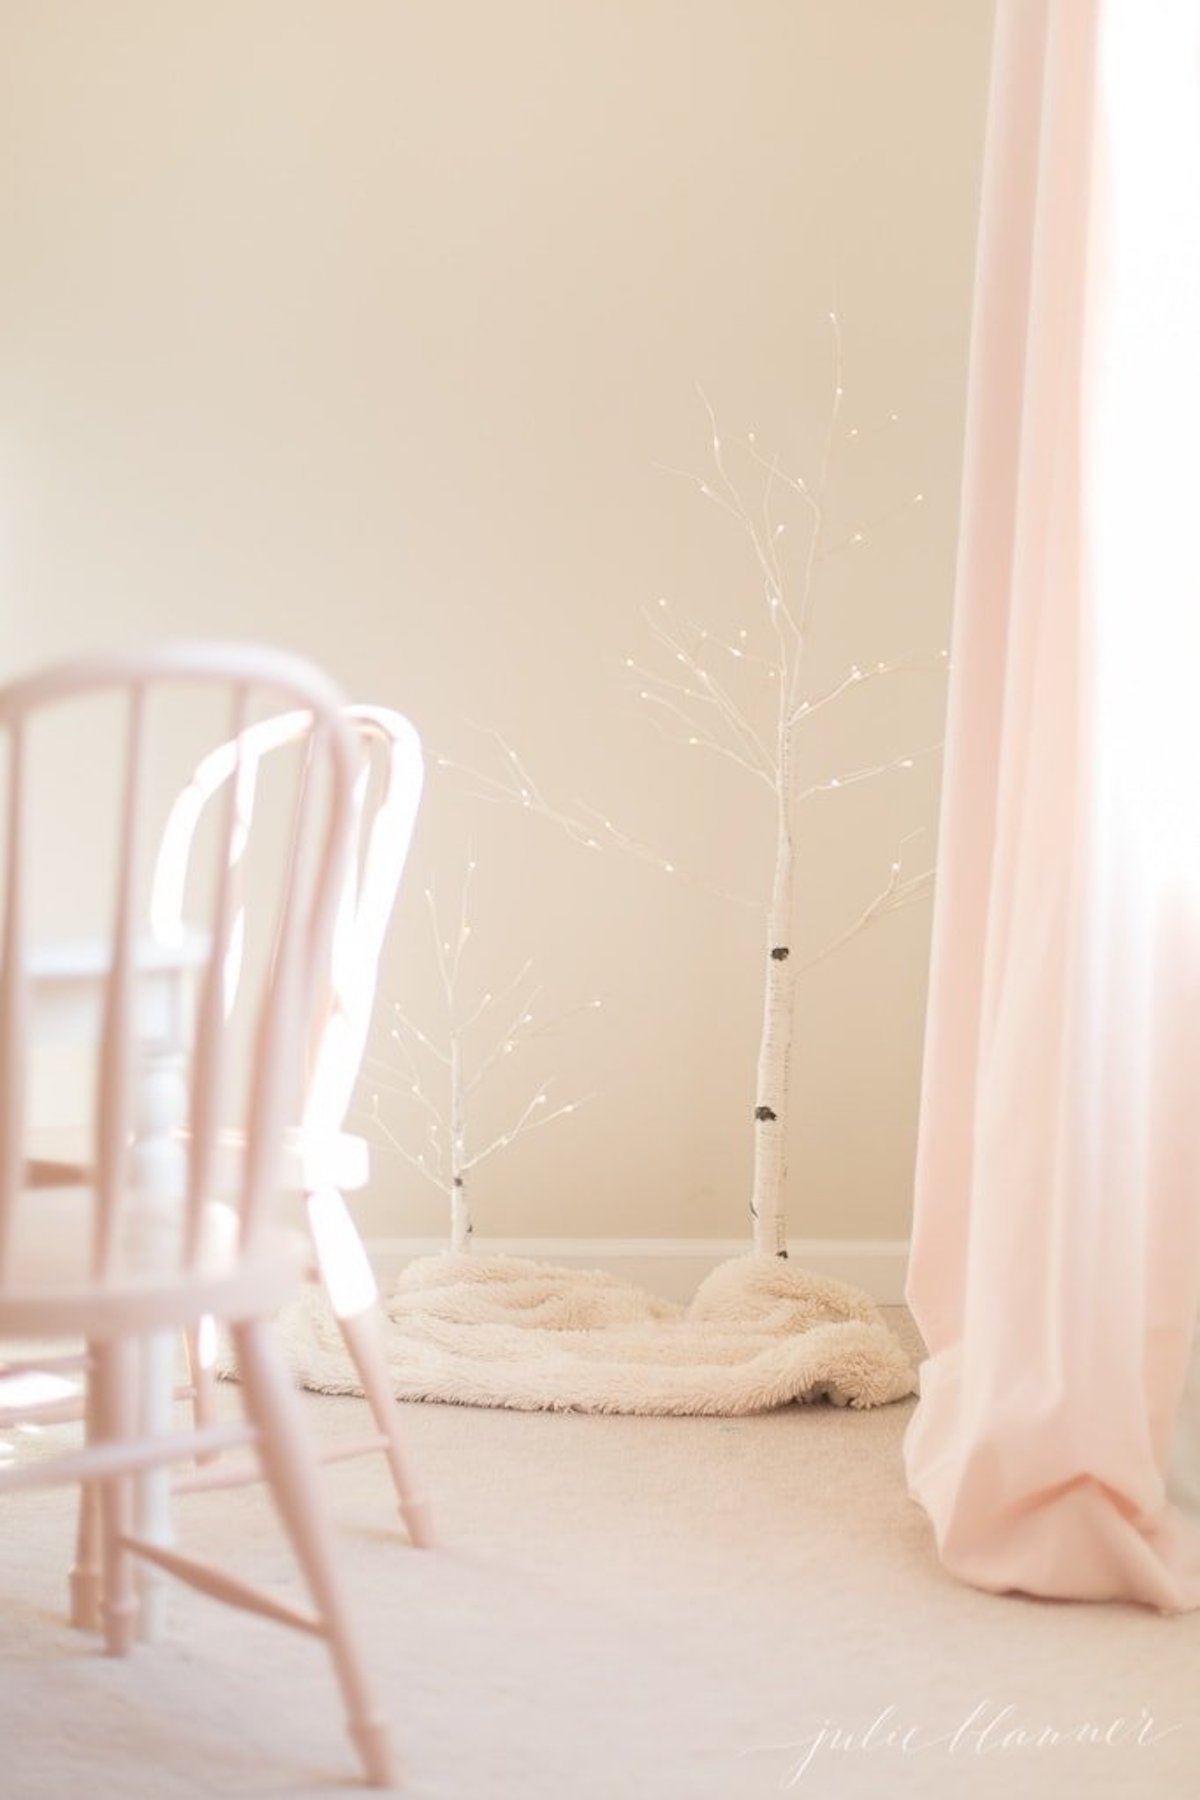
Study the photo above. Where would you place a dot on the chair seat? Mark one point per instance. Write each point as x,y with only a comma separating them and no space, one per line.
50,1292
308,1161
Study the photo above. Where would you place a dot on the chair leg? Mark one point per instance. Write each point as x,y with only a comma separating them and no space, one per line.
200,1343
115,1376
350,1287
360,1335
85,1577
292,1474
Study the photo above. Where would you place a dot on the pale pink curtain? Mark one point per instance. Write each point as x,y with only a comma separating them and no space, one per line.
1055,1268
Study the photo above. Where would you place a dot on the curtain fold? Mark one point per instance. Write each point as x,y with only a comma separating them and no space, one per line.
1055,1268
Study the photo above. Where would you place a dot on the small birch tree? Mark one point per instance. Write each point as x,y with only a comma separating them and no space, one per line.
444,1068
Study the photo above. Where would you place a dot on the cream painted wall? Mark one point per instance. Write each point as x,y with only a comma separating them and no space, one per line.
364,328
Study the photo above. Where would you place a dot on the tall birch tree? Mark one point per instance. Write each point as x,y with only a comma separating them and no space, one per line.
687,682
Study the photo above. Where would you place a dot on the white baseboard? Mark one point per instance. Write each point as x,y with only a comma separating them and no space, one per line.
674,1267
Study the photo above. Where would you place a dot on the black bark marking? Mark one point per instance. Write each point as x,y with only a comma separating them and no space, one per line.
763,1113
458,1181
780,953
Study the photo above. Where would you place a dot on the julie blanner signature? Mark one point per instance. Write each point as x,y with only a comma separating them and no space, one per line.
988,1729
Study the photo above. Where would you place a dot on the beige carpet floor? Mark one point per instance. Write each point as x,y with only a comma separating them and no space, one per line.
624,1609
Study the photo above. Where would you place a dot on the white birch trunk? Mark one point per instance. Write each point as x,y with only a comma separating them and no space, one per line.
461,1227
774,1053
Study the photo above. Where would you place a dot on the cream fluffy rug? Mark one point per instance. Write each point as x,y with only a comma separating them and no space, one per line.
501,1331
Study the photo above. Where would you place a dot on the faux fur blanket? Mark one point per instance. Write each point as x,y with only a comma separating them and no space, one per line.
501,1331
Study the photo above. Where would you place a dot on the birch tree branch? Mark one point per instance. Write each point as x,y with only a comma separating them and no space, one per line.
524,1125
859,775
900,891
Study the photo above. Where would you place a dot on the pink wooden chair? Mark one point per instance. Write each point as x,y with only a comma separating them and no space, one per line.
157,1254
321,1160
